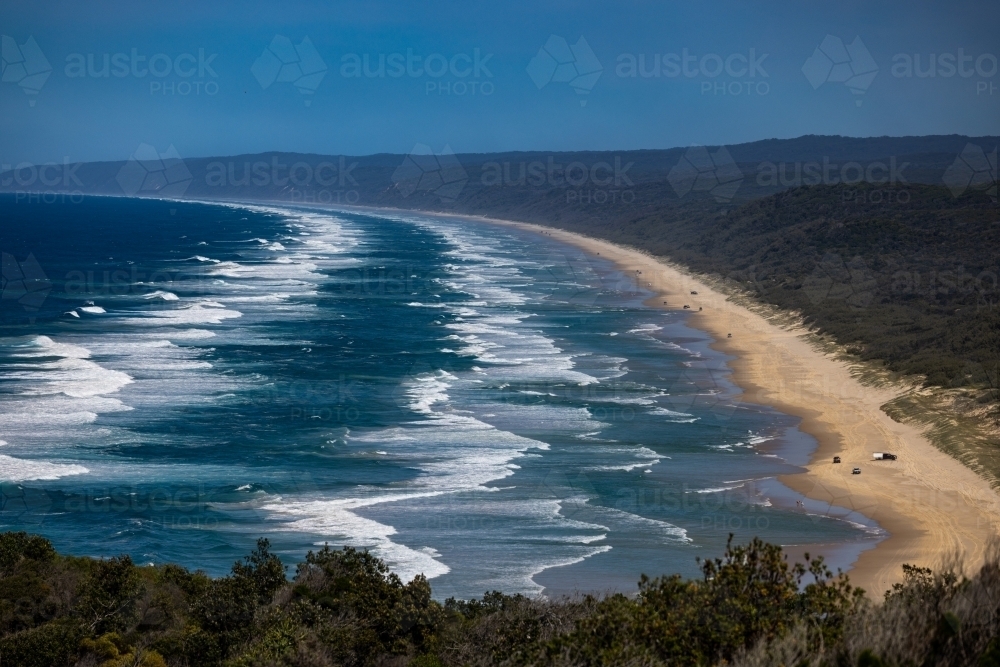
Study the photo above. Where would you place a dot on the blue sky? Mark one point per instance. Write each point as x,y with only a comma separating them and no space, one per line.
209,98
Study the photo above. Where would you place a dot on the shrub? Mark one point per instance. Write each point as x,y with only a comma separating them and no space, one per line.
749,608
108,595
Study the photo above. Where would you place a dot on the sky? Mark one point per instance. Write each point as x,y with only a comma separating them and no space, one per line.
94,80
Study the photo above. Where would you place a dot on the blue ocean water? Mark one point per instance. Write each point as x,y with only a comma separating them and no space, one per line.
482,405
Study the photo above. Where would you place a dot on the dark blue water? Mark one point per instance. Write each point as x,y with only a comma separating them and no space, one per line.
482,405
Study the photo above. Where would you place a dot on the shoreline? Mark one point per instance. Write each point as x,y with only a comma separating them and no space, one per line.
931,505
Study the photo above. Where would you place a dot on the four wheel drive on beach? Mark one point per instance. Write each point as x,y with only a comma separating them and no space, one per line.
883,456
856,471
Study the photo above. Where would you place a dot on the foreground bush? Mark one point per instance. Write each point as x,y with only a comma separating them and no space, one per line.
750,607
930,619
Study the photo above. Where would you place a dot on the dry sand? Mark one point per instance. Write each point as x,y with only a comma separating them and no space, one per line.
931,505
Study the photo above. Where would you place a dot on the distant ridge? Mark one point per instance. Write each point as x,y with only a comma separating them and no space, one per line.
370,179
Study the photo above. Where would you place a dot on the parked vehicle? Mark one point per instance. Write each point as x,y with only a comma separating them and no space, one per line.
883,456
686,306
693,292
856,471
836,459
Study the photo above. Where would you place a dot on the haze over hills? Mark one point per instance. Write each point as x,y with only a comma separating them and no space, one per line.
373,179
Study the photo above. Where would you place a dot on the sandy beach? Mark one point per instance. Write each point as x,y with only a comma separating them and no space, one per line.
931,505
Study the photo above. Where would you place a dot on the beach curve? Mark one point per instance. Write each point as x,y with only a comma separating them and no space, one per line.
932,506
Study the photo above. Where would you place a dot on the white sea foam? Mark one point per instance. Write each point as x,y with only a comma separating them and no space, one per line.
43,346
184,334
675,417
717,489
200,312
646,457
71,372
162,295
662,529
22,470
645,329
334,518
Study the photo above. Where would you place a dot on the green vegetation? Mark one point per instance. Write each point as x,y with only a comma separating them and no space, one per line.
750,607
913,285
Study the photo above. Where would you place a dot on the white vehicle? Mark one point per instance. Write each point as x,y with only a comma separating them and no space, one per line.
883,456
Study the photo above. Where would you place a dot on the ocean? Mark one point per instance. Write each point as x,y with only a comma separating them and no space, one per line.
483,405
